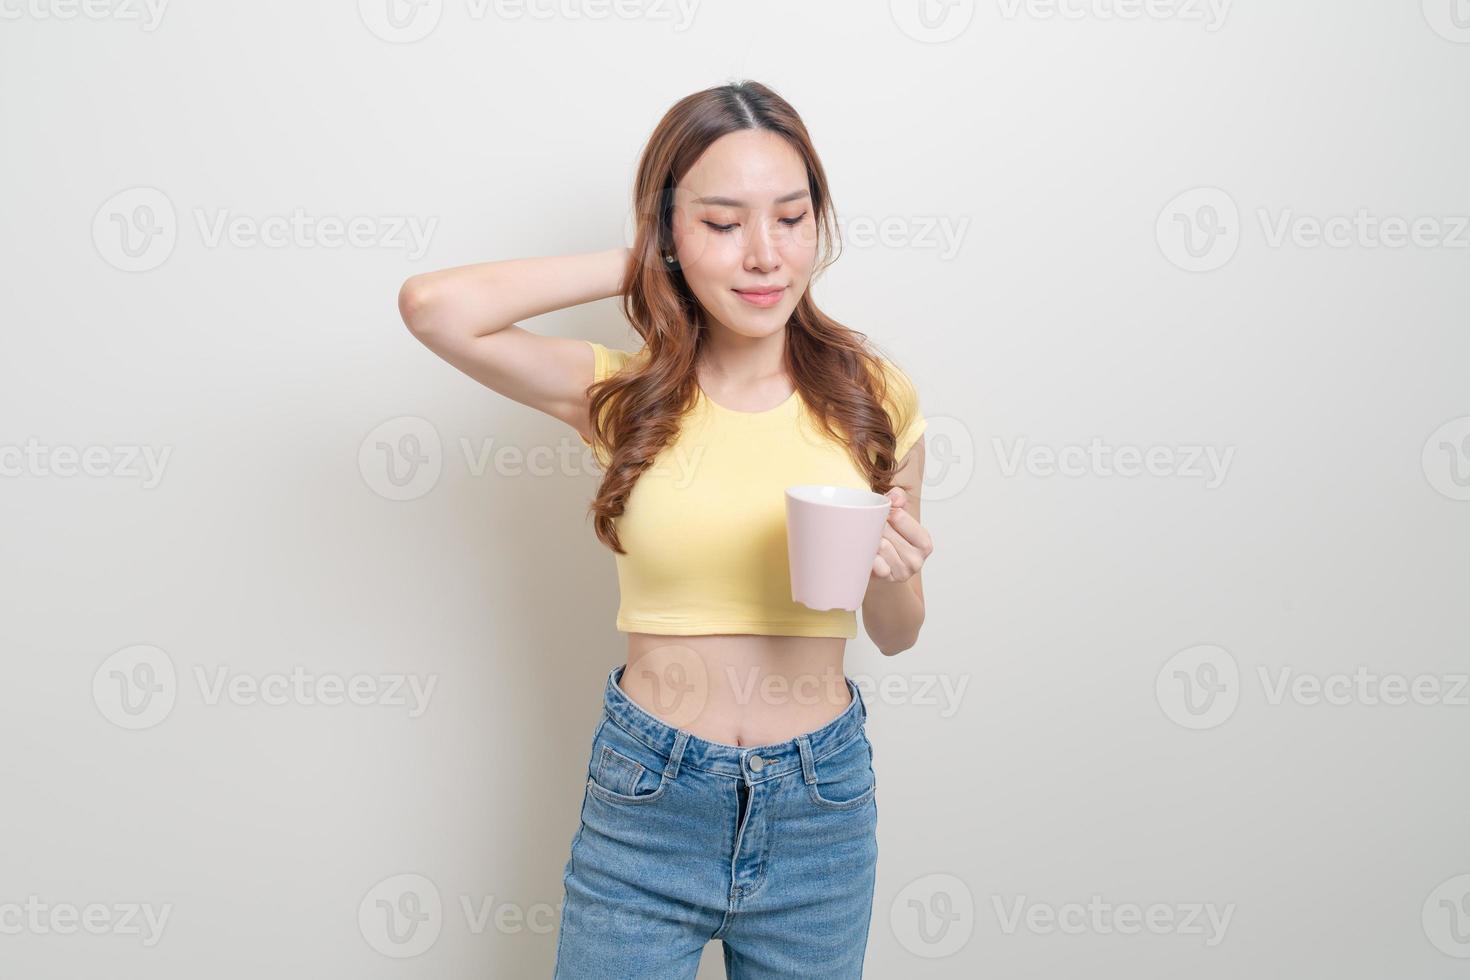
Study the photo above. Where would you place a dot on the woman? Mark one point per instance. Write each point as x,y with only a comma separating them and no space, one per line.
730,792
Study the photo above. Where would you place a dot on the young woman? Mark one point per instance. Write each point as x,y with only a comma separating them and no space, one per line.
730,791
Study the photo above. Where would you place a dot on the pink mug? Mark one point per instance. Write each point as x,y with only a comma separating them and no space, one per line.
832,536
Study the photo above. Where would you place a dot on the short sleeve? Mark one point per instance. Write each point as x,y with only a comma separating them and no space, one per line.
902,404
606,361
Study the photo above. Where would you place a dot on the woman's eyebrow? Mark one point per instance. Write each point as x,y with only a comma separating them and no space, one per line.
730,202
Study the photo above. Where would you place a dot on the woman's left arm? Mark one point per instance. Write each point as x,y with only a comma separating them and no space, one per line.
893,606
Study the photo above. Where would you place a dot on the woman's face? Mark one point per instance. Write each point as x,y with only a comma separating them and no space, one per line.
743,224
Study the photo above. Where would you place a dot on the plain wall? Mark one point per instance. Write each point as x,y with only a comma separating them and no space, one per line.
1081,234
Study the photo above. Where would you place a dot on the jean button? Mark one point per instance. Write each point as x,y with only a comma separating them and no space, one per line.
757,763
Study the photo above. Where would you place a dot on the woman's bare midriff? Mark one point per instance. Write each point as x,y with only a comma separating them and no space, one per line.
738,689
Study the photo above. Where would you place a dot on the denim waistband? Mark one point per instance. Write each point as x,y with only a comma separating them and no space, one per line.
753,762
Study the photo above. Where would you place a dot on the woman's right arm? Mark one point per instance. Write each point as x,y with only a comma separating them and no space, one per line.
467,315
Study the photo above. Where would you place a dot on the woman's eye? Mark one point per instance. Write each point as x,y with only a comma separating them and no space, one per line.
788,222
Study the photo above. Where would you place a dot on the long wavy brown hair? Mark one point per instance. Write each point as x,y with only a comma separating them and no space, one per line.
636,412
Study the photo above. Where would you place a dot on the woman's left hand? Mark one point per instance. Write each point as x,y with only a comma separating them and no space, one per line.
905,544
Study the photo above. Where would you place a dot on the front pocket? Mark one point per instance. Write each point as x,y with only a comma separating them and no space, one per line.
619,779
845,778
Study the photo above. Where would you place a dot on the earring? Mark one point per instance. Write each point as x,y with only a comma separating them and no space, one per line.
668,258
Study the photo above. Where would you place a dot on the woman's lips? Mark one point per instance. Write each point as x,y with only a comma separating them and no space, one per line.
763,298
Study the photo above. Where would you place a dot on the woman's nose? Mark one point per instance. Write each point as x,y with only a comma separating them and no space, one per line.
761,251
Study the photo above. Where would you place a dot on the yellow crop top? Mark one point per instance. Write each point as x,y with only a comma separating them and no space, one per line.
705,525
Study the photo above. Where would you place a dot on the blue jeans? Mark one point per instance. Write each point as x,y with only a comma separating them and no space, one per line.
772,849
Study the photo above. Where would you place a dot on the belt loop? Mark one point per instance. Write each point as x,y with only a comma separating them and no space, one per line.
857,693
681,739
808,768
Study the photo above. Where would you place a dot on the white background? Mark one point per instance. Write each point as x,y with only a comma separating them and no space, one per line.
1074,762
